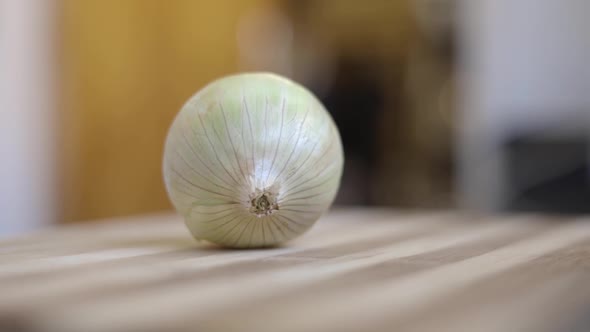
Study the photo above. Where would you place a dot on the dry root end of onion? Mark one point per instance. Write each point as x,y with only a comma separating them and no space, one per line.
252,160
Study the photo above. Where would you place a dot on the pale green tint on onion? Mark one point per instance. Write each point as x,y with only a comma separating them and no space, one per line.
252,160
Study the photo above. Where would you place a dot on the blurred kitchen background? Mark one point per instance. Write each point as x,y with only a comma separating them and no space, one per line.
441,104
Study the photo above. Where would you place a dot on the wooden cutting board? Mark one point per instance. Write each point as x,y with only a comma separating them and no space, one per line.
356,270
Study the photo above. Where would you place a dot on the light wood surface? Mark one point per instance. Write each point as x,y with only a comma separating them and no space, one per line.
356,270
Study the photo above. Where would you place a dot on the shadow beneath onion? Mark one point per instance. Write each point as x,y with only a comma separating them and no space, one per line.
212,247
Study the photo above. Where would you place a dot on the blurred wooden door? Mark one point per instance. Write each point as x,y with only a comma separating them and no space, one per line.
127,66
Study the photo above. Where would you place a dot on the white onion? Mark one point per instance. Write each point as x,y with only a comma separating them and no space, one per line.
252,160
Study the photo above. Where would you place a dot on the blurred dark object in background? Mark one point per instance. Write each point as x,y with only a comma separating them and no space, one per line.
390,92
548,174
356,99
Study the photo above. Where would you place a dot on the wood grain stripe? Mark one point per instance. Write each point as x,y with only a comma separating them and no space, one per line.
358,269
403,296
123,277
186,296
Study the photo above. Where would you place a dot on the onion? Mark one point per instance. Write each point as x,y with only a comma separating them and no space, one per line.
252,160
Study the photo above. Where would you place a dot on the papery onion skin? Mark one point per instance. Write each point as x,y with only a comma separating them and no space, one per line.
252,160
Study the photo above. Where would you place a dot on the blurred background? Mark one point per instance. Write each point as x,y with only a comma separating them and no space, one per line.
441,103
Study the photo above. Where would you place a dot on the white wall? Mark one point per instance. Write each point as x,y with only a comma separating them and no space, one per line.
27,115
525,66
